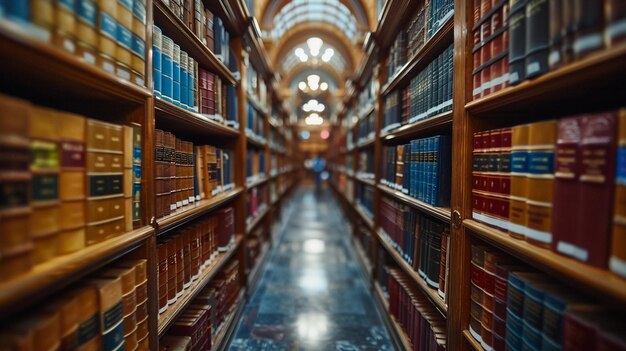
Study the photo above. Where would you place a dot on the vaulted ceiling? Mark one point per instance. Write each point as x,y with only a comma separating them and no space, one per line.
315,47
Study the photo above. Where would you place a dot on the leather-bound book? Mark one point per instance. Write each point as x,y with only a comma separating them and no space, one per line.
44,329
128,178
617,261
172,270
519,183
68,309
162,276
615,17
517,41
89,323
537,37
555,29
44,166
540,182
589,24
175,343
111,317
137,175
566,188
127,277
180,265
15,183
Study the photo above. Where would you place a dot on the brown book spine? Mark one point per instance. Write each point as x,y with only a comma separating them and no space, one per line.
519,182
180,265
171,271
162,276
617,261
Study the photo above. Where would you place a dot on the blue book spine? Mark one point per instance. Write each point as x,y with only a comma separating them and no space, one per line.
156,59
17,10
191,101
421,170
167,68
218,35
184,82
434,170
412,166
176,75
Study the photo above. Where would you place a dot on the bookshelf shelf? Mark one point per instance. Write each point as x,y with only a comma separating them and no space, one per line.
257,182
441,213
174,28
432,294
229,324
54,275
381,295
169,317
175,220
582,276
256,143
440,122
368,143
369,182
403,340
366,218
425,55
597,74
360,253
177,119
256,220
254,274
258,107
370,108
474,345
70,76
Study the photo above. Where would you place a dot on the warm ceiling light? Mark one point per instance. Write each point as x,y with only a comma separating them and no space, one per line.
306,108
315,44
303,58
313,78
328,54
324,86
320,108
314,120
299,52
302,86
312,102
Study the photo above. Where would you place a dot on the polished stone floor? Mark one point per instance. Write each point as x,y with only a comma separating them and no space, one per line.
312,294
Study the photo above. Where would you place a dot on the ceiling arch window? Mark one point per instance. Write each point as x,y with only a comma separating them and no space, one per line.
328,54
329,11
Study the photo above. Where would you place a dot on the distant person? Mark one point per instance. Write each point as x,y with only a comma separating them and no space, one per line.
318,167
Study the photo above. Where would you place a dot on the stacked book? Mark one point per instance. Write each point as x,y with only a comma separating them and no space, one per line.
105,311
421,169
111,35
186,173
420,240
67,182
186,253
553,182
423,325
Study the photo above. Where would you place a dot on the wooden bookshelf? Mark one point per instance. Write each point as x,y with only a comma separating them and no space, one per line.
201,207
400,335
369,221
174,28
367,143
431,293
167,318
422,58
256,143
70,76
369,182
229,324
257,182
258,107
593,280
440,213
52,276
422,127
257,219
181,121
365,262
597,74
473,343
255,273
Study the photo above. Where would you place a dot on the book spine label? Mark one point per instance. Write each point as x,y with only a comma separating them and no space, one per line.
72,154
88,329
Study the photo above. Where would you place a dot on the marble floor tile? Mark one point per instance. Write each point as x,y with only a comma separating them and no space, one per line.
312,295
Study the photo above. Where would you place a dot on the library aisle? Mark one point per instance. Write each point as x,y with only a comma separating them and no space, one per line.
312,294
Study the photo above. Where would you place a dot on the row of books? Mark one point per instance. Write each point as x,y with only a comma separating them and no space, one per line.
542,36
366,128
256,123
554,182
186,253
254,247
365,198
66,181
428,94
276,140
185,174
255,165
421,241
111,35
208,27
105,311
422,169
365,99
217,99
423,24
424,326
197,326
257,201
257,89
491,48
513,307
365,168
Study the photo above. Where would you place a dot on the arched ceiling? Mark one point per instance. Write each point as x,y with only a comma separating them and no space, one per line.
288,26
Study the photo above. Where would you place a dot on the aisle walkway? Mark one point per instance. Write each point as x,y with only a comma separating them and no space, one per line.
312,295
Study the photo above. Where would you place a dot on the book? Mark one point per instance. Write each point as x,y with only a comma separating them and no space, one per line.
517,41
110,319
537,37
519,183
617,261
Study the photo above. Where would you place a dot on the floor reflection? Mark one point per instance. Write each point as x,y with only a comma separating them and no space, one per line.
312,295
